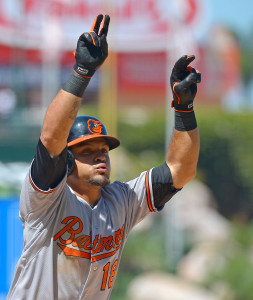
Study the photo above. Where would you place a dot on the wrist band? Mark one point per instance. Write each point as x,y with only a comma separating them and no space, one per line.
182,107
76,84
185,121
87,73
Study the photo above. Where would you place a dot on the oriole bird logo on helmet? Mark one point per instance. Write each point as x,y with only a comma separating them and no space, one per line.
94,126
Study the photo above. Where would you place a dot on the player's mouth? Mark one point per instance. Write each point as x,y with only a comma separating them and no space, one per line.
101,168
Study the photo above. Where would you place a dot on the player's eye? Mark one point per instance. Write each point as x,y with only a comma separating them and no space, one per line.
105,150
86,151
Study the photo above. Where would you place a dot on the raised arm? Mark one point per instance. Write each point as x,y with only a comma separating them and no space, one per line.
183,152
91,51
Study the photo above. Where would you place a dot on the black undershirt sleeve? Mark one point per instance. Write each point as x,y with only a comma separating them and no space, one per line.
162,185
47,172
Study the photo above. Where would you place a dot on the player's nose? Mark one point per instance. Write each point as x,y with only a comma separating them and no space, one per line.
100,157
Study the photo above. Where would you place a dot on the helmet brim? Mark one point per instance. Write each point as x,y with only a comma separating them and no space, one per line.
112,141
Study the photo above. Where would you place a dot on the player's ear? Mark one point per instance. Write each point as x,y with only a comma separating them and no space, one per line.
70,162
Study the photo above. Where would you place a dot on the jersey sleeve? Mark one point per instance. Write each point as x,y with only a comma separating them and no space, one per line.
43,186
162,185
47,172
149,192
140,198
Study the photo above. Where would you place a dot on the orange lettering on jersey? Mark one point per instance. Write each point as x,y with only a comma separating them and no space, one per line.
69,228
73,244
104,243
83,241
73,252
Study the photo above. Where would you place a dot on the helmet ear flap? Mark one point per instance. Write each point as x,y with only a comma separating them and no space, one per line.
70,162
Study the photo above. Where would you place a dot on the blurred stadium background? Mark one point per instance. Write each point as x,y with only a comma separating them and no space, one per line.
200,246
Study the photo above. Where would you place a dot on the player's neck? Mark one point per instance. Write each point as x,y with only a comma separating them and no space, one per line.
91,199
90,194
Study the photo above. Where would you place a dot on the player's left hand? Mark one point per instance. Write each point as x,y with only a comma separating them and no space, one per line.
92,47
183,81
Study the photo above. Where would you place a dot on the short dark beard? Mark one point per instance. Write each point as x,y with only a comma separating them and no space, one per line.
100,183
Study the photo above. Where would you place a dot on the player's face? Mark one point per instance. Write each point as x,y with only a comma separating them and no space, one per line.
92,162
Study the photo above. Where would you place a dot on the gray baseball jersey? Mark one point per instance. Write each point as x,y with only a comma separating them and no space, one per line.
72,251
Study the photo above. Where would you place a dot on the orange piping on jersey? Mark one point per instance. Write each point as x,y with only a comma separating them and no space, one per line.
148,193
38,190
73,252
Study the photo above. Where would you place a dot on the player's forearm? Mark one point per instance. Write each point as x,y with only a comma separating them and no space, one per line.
62,113
182,156
91,52
58,120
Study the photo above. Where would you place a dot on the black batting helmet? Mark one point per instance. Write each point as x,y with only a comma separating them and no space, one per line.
86,128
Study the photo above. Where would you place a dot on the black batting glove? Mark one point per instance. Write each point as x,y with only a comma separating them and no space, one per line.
183,83
92,48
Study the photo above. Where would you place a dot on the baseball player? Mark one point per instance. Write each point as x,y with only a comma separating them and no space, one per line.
75,221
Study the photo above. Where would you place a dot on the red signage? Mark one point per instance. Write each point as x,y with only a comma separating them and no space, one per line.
136,25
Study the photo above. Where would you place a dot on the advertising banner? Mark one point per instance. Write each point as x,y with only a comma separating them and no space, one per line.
135,25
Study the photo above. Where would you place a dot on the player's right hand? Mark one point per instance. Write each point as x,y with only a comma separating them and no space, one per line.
92,48
183,80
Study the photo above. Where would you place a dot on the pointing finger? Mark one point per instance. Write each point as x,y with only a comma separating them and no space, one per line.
96,24
189,59
105,26
183,62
